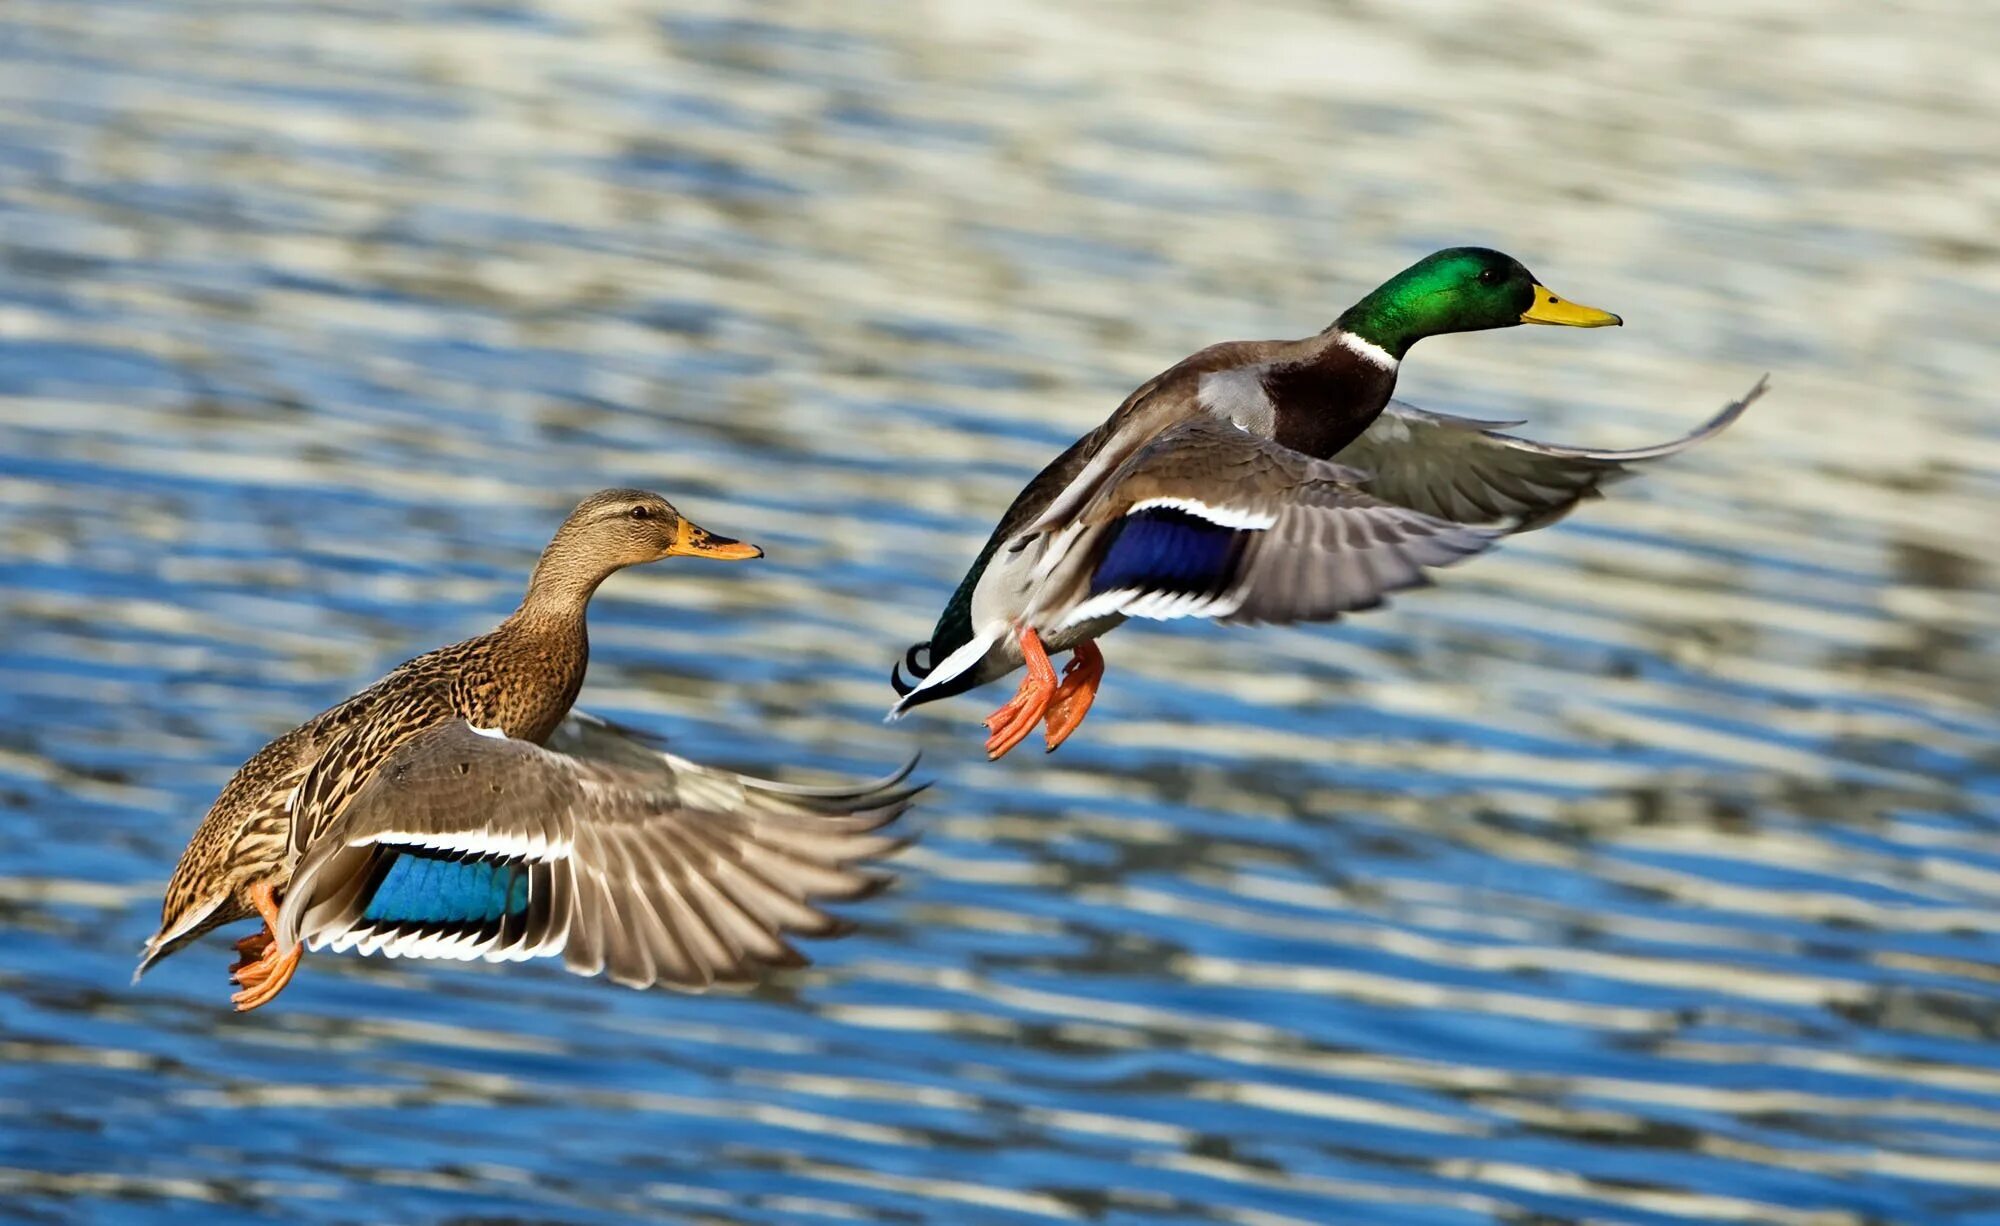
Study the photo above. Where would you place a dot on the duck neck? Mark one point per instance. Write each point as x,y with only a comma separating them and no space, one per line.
1323,403
1383,322
546,646
560,589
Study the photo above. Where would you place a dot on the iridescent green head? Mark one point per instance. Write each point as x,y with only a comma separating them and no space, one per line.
1461,289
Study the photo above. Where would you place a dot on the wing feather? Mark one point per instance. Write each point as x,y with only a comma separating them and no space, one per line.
625,859
1470,471
1240,528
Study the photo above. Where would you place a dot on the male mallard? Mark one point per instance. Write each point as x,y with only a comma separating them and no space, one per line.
458,809
1211,493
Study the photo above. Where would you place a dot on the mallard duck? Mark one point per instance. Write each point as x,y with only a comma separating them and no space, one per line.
1213,492
458,808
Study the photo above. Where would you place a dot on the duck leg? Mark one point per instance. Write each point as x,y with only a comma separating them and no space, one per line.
265,974
252,948
1078,690
1011,724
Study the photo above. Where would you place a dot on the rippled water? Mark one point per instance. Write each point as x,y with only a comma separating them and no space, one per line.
1644,871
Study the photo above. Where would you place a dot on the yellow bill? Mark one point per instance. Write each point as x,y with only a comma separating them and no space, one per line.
691,541
1549,309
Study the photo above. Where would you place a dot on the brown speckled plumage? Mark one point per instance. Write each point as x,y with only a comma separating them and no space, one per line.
515,684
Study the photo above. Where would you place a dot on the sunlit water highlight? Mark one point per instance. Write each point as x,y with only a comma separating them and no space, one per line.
1642,872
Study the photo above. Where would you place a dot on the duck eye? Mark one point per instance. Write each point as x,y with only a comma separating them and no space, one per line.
1491,276
641,512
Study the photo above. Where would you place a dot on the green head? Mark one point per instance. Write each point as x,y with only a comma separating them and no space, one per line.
1461,289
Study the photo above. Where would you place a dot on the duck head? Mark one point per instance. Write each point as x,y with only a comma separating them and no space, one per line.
621,528
1461,289
614,529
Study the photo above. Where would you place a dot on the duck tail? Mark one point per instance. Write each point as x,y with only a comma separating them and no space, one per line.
151,954
933,677
918,660
176,932
944,664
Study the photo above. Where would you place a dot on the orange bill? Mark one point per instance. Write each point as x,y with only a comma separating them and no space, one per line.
693,541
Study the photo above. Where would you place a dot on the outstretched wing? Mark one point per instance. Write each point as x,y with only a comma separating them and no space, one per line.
1468,471
1208,520
466,844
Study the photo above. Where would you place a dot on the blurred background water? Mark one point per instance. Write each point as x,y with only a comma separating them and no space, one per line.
1642,872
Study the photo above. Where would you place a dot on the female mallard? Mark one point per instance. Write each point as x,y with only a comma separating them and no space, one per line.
458,809
1211,493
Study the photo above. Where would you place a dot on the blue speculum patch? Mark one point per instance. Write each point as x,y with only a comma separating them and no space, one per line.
1162,549
428,887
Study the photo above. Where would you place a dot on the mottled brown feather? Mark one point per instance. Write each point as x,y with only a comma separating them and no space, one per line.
518,680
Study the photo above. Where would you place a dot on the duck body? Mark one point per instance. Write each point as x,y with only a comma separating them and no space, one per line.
1272,390
1258,481
459,808
518,679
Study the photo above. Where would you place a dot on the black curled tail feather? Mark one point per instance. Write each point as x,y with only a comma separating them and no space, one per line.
922,661
953,631
919,669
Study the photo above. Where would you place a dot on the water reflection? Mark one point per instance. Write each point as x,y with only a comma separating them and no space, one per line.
1641,872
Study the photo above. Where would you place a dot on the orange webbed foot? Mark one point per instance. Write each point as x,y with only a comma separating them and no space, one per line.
252,949
1073,697
263,980
263,971
1011,724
